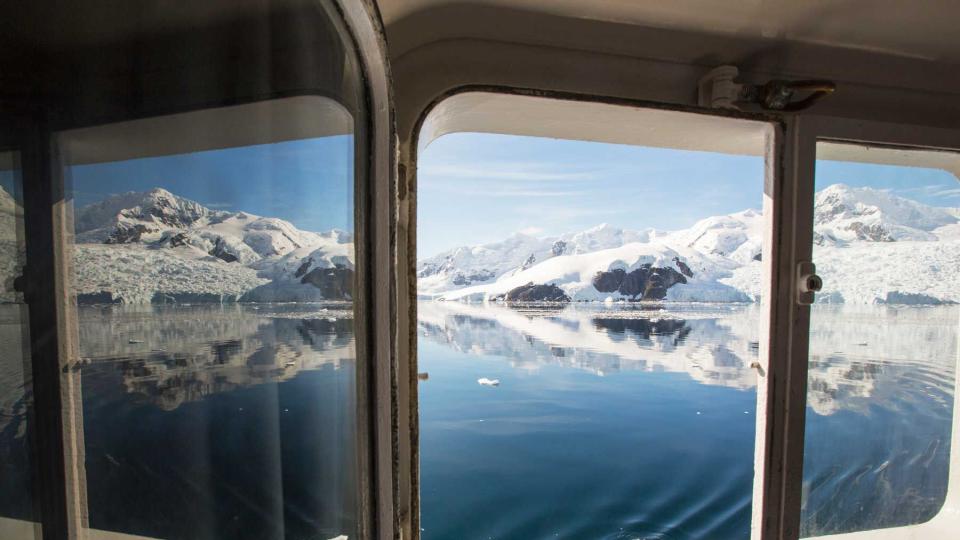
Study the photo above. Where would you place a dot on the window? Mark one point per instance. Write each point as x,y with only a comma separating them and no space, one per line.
200,207
17,511
589,315
883,339
216,350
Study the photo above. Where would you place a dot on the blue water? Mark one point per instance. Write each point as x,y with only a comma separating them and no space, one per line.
609,422
565,453
627,423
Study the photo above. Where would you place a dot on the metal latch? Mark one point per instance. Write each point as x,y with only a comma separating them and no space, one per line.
808,283
719,89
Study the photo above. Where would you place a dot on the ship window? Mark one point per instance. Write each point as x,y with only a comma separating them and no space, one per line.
884,341
18,514
590,310
215,327
200,277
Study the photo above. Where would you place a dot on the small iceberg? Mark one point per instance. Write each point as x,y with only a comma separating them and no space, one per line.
483,381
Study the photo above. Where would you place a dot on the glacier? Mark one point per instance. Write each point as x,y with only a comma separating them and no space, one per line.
872,247
156,247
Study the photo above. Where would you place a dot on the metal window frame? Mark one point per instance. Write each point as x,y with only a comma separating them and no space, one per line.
774,479
59,488
789,341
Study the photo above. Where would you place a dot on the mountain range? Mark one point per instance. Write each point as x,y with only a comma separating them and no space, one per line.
871,247
156,247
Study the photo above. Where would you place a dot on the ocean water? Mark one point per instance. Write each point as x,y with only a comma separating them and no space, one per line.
625,422
607,421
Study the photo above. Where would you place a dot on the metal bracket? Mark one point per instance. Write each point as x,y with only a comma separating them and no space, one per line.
718,89
808,283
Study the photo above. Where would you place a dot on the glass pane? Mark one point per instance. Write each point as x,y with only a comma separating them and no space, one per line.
216,340
588,315
883,339
16,398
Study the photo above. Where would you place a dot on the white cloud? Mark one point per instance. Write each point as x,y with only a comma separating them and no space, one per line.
531,231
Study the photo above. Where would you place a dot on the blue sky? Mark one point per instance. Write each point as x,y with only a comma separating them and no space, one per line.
475,188
307,182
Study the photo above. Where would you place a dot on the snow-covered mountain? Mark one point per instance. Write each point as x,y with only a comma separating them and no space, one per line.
872,247
157,247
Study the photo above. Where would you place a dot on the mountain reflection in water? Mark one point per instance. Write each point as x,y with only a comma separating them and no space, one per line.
673,381
212,422
609,421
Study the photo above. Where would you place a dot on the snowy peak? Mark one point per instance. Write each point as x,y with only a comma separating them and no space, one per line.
183,244
718,259
845,214
127,217
737,236
157,205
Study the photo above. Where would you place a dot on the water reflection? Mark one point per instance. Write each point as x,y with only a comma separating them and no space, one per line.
173,355
860,355
880,401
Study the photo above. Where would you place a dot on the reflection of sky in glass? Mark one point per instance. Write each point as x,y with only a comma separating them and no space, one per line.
307,182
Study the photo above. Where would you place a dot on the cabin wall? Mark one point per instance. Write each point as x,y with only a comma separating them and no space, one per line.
441,50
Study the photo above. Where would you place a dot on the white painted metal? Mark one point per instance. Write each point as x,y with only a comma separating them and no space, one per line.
894,144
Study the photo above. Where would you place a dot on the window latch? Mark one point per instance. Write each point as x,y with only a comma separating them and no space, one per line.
808,283
719,89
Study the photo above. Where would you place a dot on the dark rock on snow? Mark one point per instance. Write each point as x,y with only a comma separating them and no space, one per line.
334,283
645,283
537,293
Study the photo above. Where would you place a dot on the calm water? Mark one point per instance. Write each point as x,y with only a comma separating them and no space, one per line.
628,423
608,422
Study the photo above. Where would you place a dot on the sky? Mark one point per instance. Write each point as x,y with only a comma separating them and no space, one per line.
308,182
476,188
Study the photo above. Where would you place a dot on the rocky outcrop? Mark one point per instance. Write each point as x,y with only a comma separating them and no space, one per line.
645,283
334,283
222,252
559,248
125,233
870,233
914,299
302,269
531,260
482,275
684,269
536,293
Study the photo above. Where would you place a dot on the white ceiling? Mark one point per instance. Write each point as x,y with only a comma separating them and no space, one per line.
921,29
592,121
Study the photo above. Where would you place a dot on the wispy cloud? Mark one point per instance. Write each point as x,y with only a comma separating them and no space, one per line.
931,191
516,171
531,230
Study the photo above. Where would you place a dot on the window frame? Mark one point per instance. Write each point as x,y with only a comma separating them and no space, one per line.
790,160
780,157
59,490
806,131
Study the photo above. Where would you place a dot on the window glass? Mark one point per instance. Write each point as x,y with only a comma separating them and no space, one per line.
216,353
16,398
883,339
588,317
